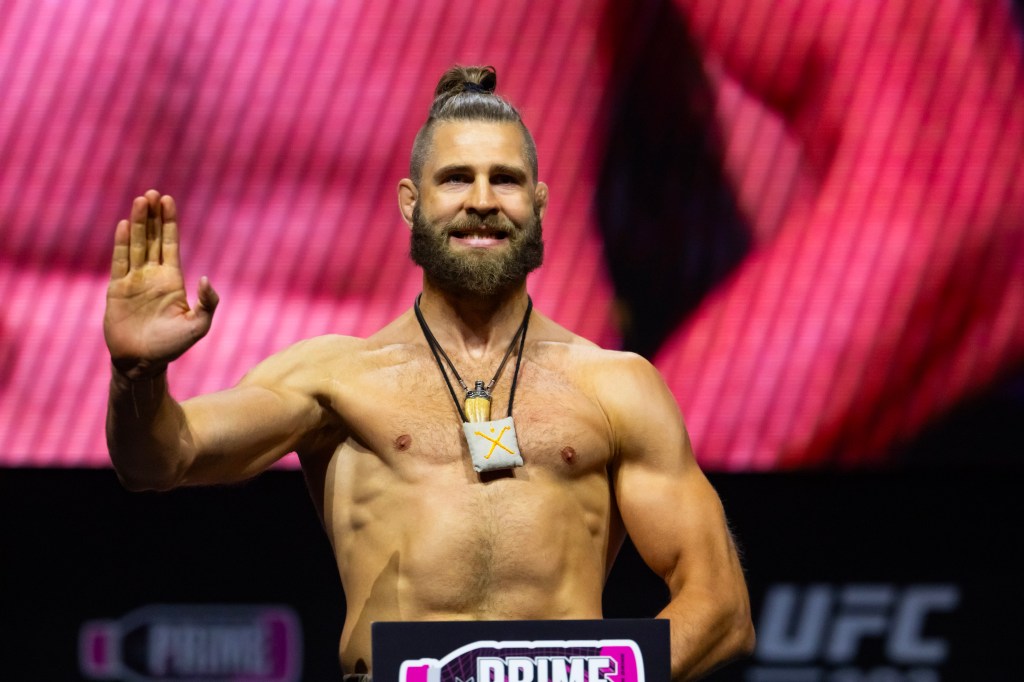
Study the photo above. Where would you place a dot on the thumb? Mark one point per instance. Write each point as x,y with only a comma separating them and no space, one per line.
207,303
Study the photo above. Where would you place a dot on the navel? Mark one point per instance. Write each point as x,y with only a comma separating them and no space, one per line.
569,455
403,442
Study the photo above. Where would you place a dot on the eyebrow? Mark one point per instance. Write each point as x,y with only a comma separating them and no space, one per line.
516,172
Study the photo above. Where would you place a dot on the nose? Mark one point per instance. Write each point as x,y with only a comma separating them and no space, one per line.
481,199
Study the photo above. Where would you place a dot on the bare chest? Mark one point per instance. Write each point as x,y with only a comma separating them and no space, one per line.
401,498
410,422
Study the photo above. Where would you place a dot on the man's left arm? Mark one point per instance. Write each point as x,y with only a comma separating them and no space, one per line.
676,521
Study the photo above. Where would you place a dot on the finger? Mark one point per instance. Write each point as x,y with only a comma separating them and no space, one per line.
208,298
137,233
206,305
154,224
119,263
169,246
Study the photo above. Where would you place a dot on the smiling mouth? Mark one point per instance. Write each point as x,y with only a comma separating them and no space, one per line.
481,235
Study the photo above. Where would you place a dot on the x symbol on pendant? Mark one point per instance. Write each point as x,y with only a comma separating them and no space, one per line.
495,442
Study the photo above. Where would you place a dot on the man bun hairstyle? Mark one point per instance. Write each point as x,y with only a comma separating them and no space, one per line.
459,79
466,93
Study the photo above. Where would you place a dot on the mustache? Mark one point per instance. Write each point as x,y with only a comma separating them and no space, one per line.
491,223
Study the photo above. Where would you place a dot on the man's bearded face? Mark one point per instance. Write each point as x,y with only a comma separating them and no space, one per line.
483,271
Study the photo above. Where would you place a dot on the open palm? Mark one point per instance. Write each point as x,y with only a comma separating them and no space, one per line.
148,321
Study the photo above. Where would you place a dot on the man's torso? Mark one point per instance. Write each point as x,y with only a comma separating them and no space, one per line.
419,535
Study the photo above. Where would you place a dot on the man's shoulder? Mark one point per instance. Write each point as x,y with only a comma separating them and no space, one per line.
614,370
390,345
584,353
324,348
625,386
311,359
580,355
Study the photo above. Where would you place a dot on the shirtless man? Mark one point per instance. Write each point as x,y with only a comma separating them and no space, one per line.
417,532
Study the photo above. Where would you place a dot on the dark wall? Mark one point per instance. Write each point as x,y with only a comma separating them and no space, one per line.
853,577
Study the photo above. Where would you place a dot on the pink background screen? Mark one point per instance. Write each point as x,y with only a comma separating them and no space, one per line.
870,154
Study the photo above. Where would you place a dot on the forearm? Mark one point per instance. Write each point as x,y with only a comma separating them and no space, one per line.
708,629
145,428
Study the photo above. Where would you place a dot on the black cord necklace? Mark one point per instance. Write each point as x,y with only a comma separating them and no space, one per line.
478,399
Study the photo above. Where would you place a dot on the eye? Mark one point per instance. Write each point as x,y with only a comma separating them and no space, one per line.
504,179
458,179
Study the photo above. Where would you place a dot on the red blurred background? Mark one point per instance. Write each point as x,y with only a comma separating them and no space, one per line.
810,215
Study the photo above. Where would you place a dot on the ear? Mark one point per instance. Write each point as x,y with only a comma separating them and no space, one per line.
541,198
407,196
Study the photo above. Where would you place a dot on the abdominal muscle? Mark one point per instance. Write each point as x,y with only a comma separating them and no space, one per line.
437,544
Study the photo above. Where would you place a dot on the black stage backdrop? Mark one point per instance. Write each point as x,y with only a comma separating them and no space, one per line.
879,577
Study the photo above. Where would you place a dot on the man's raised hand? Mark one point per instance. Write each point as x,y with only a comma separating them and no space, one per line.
148,322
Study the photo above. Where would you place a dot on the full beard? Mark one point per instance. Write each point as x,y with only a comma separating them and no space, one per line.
479,274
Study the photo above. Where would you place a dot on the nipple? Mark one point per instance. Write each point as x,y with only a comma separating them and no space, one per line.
569,455
403,442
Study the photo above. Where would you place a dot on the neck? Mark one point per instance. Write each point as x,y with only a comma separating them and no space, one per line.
476,326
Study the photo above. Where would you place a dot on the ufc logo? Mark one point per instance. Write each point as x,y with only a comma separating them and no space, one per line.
802,624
